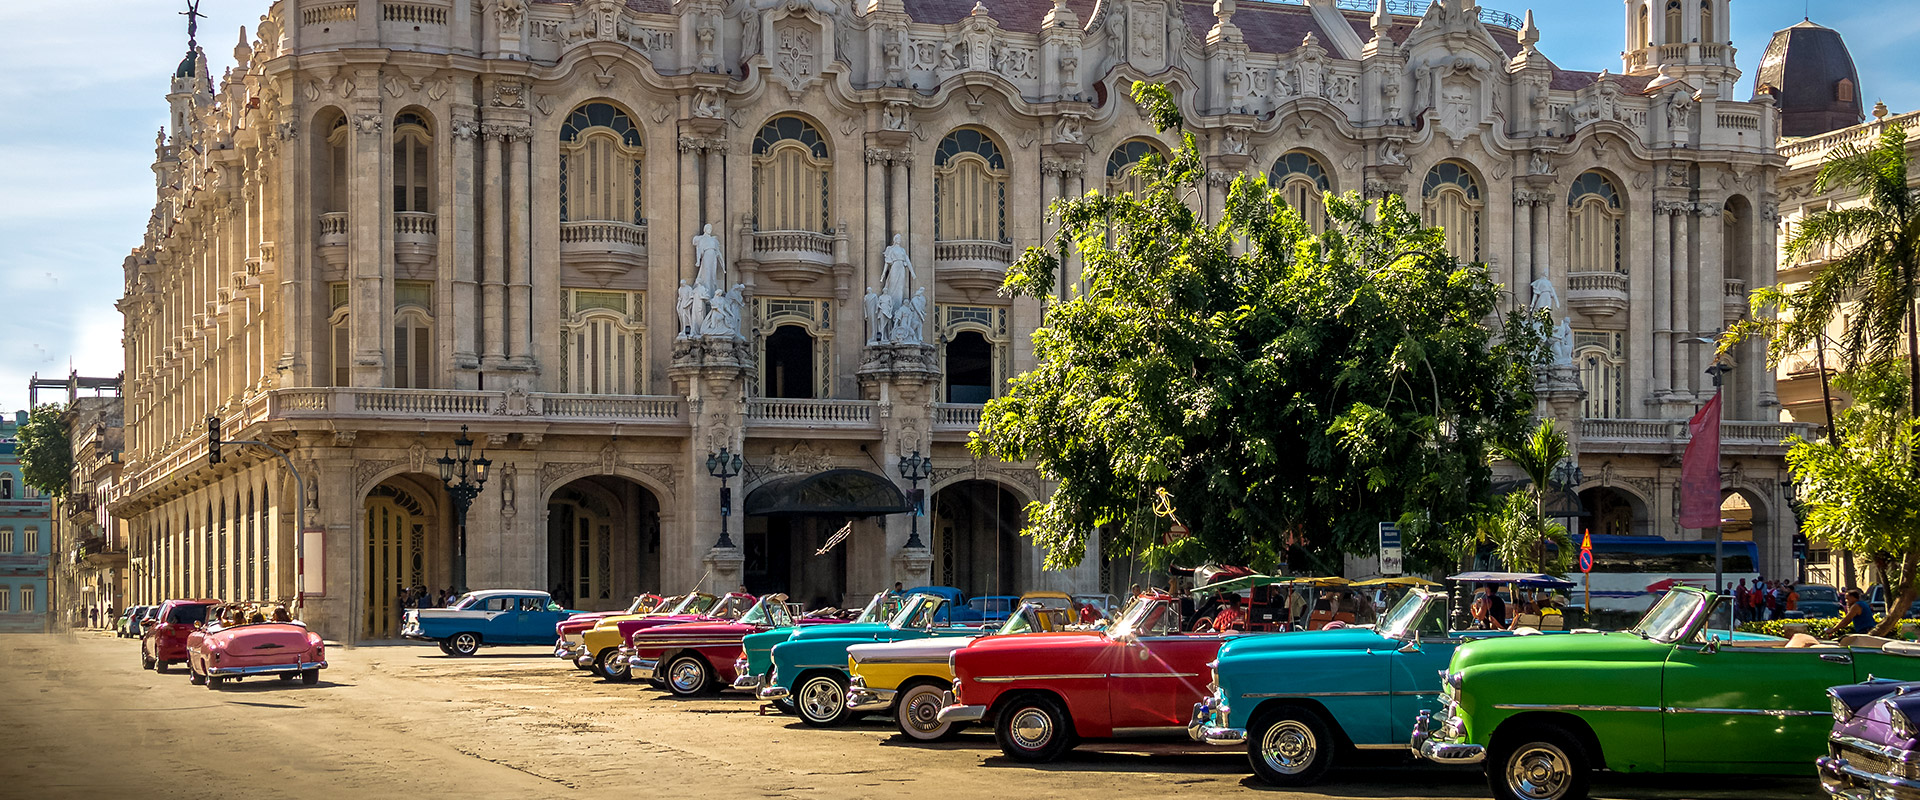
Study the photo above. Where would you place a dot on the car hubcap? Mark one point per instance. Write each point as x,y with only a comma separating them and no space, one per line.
1539,771
687,676
822,699
1031,728
1289,747
922,712
465,644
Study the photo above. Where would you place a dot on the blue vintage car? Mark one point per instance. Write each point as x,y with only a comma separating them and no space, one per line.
488,617
810,667
1295,699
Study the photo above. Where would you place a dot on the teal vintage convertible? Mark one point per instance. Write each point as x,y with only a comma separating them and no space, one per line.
810,667
1296,700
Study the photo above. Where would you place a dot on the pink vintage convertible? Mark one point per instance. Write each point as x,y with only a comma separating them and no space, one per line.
217,654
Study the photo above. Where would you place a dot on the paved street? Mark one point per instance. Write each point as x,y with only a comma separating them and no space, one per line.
82,719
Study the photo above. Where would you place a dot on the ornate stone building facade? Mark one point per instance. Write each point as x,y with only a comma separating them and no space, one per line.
614,238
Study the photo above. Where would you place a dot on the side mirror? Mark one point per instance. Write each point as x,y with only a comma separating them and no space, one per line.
147,622
1413,644
1712,646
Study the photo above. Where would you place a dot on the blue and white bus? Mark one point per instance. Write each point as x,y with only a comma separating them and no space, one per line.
1630,572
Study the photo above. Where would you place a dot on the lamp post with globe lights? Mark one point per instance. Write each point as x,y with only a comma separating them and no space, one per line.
915,468
465,475
724,465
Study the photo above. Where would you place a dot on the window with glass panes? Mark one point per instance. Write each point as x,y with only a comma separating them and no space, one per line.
969,188
412,164
1123,160
1602,357
413,335
1302,180
790,166
1452,203
340,338
1595,220
602,345
601,166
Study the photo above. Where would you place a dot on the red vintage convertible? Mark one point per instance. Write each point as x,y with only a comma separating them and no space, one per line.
250,643
1045,692
694,658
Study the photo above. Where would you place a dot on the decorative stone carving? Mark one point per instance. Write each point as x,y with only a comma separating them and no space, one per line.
1545,296
509,94
367,124
707,105
510,13
893,116
798,458
795,55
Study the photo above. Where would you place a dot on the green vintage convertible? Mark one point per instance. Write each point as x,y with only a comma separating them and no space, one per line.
1673,694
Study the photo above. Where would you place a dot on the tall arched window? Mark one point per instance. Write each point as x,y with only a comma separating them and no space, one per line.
600,166
1452,201
1596,219
1602,356
412,164
1644,34
969,188
790,166
6,487
601,348
1706,21
1674,15
1302,181
413,335
1123,160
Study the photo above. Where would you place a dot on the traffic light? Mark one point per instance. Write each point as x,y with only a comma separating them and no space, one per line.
213,440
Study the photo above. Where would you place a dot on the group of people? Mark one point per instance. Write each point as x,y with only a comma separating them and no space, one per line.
1765,600
233,614
423,597
1334,608
1489,609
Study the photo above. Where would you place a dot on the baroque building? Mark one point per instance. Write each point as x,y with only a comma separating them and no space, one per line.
615,240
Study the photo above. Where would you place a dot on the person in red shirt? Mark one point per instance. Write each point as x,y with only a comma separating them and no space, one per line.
1230,617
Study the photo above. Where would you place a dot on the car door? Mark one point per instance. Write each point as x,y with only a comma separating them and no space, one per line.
1752,703
500,612
1155,679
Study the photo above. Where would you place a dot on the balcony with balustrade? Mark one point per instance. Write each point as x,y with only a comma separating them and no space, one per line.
332,239
603,248
1734,298
416,238
1669,436
975,267
798,258
954,421
1597,294
853,419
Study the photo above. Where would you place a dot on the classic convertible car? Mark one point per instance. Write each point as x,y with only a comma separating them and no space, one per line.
1295,699
287,650
601,644
756,651
568,631
811,666
1874,750
908,678
485,618
694,658
1671,694
164,639
1044,692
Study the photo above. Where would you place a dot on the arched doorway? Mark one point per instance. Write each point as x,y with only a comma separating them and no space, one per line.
405,549
791,518
1612,512
603,543
976,538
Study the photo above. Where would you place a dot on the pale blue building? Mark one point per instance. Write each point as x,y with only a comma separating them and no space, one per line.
26,540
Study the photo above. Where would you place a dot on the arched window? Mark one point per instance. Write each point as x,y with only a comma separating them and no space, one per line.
338,170
413,335
1123,160
1303,182
1644,35
1706,21
601,346
969,188
1596,219
1674,15
1602,358
412,164
790,166
1452,200
600,166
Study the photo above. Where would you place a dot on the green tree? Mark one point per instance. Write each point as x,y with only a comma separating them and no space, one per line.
1525,534
46,452
1279,384
1863,493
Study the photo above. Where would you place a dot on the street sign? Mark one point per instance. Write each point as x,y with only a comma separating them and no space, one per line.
1176,533
1390,554
1586,552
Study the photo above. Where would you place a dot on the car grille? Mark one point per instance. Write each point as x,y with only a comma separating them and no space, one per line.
1874,762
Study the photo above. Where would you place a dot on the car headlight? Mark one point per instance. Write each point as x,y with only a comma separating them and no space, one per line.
1841,713
1451,679
1898,721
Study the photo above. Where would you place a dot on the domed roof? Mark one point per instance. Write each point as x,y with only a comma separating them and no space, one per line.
1811,76
189,65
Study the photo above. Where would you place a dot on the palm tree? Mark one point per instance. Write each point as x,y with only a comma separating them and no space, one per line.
1872,283
1528,528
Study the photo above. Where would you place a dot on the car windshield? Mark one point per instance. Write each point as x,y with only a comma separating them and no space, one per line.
187,615
880,609
696,603
1146,616
1042,614
732,606
771,611
1025,620
643,604
1671,616
1421,612
919,611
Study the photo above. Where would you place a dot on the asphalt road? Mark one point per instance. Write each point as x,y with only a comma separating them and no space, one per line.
79,718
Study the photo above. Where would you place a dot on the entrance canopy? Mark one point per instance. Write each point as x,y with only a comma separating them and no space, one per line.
836,492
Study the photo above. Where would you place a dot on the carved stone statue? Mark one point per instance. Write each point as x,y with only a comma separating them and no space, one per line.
1544,295
899,271
692,308
910,320
876,321
735,305
706,259
1563,344
716,321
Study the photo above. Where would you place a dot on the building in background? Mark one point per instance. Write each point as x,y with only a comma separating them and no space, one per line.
26,541
616,241
94,568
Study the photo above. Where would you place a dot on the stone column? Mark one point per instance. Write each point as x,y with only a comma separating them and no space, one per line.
714,178
493,251
876,226
1685,360
1709,316
1662,302
898,221
519,334
366,257
457,240
1523,200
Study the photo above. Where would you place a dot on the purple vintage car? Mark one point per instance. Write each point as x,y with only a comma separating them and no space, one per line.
1873,752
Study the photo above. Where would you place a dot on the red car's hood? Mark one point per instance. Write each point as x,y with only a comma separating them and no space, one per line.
703,630
259,639
581,622
628,626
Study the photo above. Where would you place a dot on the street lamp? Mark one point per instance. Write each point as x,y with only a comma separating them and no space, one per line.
915,469
724,465
465,475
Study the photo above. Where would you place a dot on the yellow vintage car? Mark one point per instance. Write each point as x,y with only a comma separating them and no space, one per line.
907,678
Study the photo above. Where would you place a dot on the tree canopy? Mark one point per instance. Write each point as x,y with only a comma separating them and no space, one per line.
1284,386
46,452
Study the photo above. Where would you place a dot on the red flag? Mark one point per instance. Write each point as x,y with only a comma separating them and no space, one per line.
1700,469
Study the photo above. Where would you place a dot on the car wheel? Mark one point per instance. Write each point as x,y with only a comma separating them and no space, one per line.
464,644
193,675
310,676
821,699
785,706
917,713
1541,763
1290,747
445,647
146,661
611,666
689,676
162,666
1034,729
214,682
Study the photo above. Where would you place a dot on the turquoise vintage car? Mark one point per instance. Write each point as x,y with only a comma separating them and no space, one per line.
1671,694
756,657
810,667
1296,699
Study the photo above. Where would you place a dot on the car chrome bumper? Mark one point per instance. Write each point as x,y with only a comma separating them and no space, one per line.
772,692
417,636
1200,727
1847,782
642,669
1427,746
952,711
583,660
746,681
863,699
266,669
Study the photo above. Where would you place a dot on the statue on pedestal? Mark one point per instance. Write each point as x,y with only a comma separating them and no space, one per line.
706,260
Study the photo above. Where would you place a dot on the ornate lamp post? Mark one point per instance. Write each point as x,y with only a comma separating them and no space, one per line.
915,469
465,475
724,465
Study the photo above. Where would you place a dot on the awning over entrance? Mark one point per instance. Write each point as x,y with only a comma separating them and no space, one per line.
837,492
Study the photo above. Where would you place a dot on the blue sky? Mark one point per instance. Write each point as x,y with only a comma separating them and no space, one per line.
86,95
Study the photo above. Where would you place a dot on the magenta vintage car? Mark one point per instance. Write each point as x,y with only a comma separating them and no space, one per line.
1874,751
217,653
